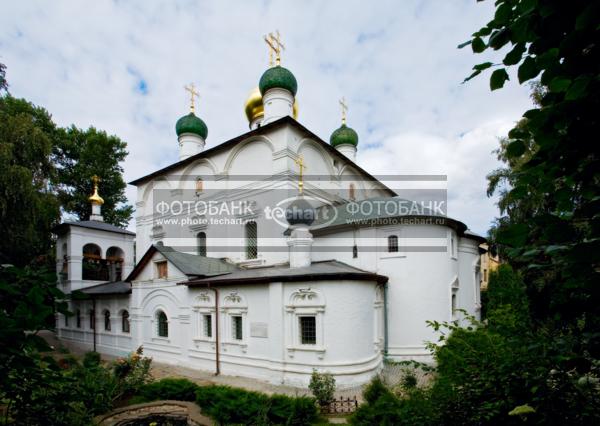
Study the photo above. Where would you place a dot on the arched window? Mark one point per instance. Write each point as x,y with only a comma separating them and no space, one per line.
125,322
107,320
251,240
93,267
92,319
78,318
352,192
163,324
201,243
199,186
393,244
114,259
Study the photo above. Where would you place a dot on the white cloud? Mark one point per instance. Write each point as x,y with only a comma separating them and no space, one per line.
395,62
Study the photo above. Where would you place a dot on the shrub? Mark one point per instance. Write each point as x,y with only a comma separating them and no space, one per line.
322,386
91,359
227,405
170,388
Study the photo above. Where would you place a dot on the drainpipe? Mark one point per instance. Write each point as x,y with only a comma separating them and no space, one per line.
217,361
385,320
94,321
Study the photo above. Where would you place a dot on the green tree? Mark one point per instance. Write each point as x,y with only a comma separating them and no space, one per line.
28,208
551,218
3,82
81,154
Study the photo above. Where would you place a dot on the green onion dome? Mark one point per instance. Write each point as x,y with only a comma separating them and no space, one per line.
344,136
278,77
191,124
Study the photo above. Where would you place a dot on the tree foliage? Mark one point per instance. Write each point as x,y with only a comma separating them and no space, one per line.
551,218
81,154
28,207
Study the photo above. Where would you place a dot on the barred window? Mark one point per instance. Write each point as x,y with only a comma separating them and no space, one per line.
393,244
92,319
163,324
78,318
236,327
201,244
207,324
125,322
251,240
107,320
308,330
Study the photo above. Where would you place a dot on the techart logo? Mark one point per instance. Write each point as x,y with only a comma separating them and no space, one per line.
318,211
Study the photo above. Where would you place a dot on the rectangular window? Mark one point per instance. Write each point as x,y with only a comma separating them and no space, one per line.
236,327
308,330
207,323
161,269
66,320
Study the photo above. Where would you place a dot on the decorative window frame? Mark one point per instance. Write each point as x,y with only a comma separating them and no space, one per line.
204,304
234,304
305,302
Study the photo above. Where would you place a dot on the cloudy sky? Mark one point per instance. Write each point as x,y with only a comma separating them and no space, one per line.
121,65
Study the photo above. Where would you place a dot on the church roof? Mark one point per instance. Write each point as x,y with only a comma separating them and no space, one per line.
259,131
356,216
322,270
107,289
190,264
91,224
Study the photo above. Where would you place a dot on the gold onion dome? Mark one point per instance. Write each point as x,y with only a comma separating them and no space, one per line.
254,106
95,198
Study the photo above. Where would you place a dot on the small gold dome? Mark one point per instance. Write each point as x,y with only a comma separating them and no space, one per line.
95,198
254,106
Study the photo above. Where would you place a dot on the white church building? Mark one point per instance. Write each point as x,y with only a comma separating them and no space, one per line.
267,256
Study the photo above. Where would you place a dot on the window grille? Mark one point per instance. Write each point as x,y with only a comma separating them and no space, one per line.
393,244
308,330
236,325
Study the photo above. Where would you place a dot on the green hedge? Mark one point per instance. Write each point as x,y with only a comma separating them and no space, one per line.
228,405
171,388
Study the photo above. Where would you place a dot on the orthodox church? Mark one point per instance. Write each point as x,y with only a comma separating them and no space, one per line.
267,256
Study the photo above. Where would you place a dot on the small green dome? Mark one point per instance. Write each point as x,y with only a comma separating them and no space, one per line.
278,77
344,136
191,124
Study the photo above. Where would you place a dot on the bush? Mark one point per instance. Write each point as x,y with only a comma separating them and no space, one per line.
91,359
322,386
170,388
227,405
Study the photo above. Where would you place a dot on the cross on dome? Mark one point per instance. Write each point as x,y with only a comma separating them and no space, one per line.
193,93
275,47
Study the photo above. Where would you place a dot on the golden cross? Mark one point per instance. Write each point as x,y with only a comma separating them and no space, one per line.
300,162
95,180
192,89
275,47
344,109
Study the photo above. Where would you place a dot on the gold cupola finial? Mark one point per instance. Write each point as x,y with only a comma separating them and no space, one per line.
301,166
95,198
275,47
193,93
344,107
